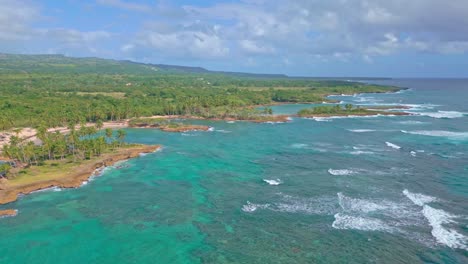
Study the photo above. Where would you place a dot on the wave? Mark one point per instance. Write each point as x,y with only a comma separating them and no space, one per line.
349,204
361,130
324,205
443,235
222,131
231,122
361,152
211,129
273,182
392,145
340,172
439,133
436,219
442,114
419,199
412,122
343,221
188,135
251,207
299,145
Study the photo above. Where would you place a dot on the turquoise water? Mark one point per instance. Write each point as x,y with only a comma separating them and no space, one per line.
346,193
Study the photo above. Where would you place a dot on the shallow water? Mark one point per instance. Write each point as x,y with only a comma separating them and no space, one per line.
343,195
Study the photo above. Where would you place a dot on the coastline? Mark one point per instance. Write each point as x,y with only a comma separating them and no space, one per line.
73,178
356,114
8,212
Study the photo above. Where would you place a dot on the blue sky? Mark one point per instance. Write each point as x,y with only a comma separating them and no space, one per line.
395,38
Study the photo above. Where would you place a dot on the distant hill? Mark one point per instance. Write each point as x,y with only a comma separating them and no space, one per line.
57,63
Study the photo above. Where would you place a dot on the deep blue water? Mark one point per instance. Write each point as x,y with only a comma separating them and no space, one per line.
350,190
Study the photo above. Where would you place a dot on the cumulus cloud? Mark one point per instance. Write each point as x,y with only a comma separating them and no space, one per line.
15,20
257,30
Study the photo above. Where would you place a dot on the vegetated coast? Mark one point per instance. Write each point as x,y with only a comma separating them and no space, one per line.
64,174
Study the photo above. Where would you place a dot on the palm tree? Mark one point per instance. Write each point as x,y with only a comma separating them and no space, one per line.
121,135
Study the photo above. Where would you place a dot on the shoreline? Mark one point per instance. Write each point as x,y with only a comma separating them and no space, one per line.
355,114
8,213
11,189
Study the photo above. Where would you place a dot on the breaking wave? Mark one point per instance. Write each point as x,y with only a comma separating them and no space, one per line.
273,182
392,145
437,218
439,133
340,172
441,114
361,130
343,221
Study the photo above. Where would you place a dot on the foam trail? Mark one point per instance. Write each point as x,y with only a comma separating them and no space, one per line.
343,221
411,122
349,204
436,219
439,133
392,145
446,236
340,172
273,182
442,114
298,145
251,207
361,130
419,199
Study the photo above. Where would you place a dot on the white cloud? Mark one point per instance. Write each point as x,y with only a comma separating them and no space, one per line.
253,47
15,20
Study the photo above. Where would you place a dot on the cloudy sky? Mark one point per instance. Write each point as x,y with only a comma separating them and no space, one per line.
396,38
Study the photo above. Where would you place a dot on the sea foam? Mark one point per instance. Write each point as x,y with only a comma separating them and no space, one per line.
340,172
251,207
442,114
419,199
343,221
361,130
439,133
443,235
392,145
349,204
273,182
437,218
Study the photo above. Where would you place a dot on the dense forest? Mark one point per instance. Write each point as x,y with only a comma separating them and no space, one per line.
55,90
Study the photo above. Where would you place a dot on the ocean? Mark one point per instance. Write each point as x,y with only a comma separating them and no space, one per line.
385,189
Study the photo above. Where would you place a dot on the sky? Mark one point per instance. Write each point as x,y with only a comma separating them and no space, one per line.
388,38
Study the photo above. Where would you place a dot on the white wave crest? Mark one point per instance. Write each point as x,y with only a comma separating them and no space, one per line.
273,182
251,207
412,122
392,145
314,205
299,145
361,152
361,130
222,131
419,199
442,114
443,235
349,204
340,172
439,133
343,221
